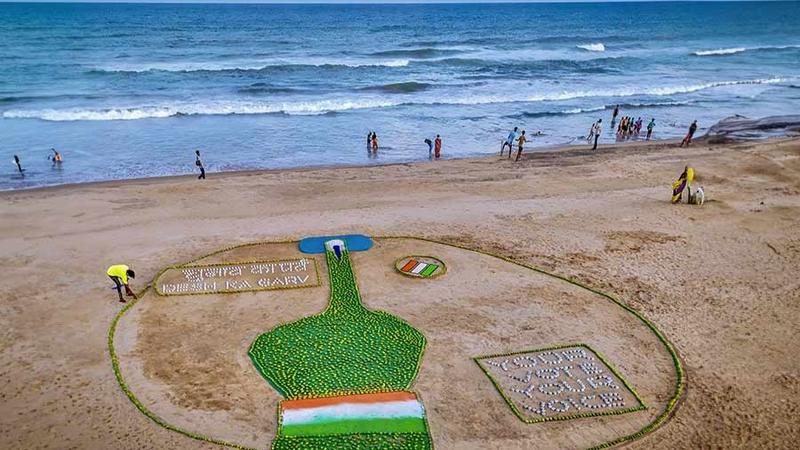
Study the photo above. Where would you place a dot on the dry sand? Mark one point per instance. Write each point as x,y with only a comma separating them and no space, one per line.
721,281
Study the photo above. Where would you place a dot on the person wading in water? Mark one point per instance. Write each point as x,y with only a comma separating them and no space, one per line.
199,163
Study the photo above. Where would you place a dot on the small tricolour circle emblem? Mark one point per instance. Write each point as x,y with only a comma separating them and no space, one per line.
417,266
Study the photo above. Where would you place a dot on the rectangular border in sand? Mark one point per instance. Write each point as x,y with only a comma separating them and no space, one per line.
526,419
238,291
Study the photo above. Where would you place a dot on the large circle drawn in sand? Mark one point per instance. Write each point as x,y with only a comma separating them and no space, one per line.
183,362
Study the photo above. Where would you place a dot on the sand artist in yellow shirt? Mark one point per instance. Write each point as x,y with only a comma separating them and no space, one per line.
120,273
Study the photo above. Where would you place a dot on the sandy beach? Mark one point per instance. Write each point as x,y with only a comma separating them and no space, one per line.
720,281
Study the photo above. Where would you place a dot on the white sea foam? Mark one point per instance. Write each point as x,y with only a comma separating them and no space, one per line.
315,107
734,50
720,51
635,105
218,108
583,110
659,91
596,47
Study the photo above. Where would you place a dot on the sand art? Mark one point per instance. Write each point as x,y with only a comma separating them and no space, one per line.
342,378
238,277
420,266
345,350
560,383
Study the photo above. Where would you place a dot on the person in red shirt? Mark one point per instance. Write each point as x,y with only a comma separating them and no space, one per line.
437,146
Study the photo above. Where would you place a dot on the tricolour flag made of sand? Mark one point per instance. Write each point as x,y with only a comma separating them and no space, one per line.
390,412
419,268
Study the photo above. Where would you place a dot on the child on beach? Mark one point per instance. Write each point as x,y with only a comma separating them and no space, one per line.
199,163
687,141
650,127
520,144
509,142
437,147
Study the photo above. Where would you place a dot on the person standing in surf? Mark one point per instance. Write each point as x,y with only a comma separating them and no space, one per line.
687,141
650,127
19,165
521,140
56,158
597,129
437,147
614,115
430,147
512,136
374,142
199,163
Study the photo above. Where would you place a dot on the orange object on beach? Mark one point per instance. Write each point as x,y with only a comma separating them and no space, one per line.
358,398
409,265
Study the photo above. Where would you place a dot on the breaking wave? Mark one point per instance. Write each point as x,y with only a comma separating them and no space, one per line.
735,50
597,47
720,51
221,108
317,107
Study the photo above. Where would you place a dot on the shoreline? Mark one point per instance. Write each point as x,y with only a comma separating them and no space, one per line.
548,151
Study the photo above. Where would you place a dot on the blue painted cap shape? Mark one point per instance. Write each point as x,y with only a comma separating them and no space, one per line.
353,243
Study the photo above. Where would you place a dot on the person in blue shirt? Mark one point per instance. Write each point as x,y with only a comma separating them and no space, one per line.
512,136
650,127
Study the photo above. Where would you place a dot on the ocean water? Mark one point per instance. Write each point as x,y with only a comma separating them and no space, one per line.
125,90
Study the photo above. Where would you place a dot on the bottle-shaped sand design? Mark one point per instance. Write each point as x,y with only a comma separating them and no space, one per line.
345,373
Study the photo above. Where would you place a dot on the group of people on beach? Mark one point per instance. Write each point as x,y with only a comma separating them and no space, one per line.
629,128
434,146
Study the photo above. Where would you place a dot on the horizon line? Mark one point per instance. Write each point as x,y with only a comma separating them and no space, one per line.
370,2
